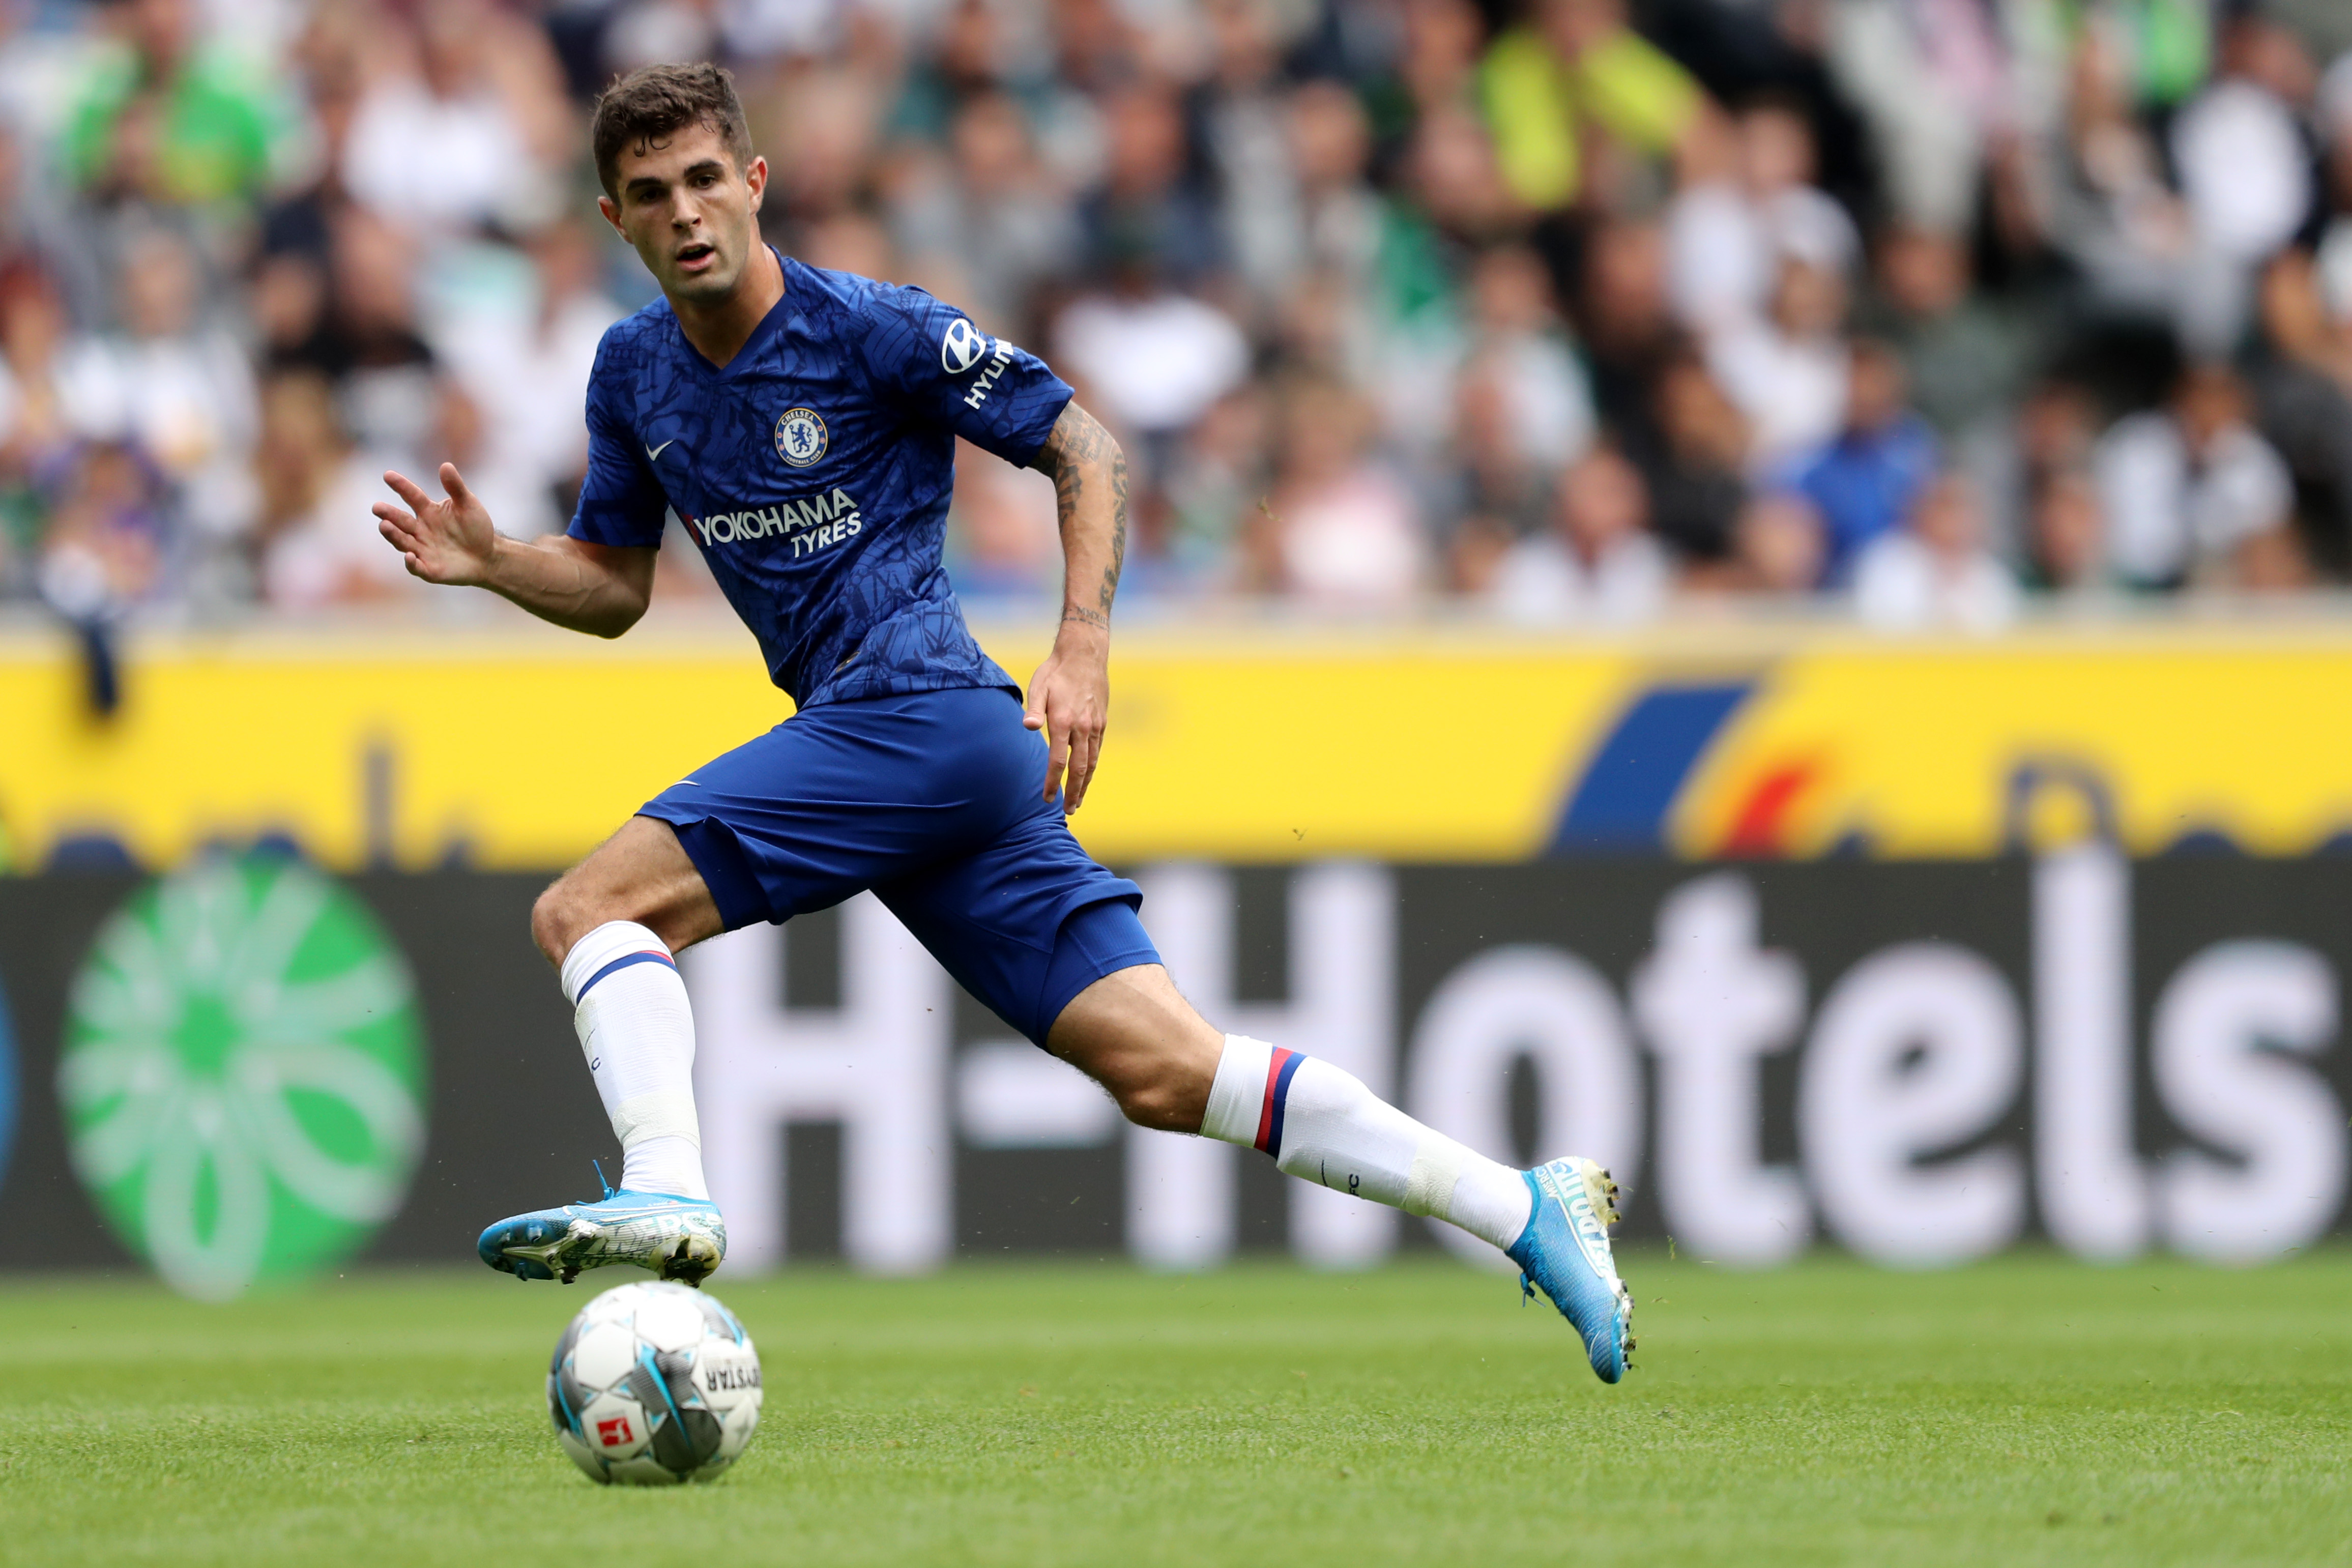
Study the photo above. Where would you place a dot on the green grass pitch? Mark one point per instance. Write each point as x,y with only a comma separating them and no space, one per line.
2028,1410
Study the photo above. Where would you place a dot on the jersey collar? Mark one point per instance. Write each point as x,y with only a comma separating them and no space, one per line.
770,325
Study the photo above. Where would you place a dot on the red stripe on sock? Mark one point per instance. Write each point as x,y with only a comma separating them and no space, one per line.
1266,1111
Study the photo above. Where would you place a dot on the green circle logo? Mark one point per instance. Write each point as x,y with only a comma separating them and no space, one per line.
243,1074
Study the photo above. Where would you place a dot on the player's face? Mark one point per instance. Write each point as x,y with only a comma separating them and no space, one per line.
689,212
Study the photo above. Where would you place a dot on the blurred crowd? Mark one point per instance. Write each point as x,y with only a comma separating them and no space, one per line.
1562,311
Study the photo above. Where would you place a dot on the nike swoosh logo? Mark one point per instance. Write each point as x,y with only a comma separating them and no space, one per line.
653,454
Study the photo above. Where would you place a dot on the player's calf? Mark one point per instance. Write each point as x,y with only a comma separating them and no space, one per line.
1138,1037
636,1030
1322,1123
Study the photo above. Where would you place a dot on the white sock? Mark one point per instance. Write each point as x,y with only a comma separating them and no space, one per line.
1322,1123
630,1010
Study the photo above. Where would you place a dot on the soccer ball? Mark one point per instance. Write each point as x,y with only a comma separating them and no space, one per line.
654,1383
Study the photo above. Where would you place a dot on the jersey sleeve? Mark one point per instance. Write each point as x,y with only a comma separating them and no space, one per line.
928,359
620,502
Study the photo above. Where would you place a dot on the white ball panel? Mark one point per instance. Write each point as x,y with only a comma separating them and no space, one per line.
603,1355
669,1324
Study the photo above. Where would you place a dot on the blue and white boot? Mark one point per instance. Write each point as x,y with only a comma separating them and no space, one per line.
1564,1252
677,1238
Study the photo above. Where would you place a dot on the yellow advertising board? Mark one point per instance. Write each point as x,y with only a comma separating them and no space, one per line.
521,747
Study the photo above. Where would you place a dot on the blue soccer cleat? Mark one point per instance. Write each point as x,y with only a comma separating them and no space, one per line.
677,1238
1564,1252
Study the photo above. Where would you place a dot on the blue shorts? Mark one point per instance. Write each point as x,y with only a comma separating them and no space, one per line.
935,801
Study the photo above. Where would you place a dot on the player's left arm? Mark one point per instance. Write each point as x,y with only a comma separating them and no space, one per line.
1069,697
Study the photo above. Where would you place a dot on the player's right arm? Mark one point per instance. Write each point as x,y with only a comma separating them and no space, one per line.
600,589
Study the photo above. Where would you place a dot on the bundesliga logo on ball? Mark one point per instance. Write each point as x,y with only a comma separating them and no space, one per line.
653,1384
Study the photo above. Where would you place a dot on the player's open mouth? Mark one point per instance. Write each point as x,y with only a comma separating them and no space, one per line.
694,256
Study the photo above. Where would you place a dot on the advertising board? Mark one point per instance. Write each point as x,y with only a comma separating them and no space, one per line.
521,751
1920,1062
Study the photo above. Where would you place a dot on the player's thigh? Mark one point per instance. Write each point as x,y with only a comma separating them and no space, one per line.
1031,925
846,795
1134,1033
640,874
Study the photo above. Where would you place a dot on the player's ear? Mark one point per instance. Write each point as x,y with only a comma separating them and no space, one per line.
756,176
612,211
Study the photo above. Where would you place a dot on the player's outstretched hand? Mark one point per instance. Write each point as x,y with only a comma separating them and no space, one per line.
1069,698
442,540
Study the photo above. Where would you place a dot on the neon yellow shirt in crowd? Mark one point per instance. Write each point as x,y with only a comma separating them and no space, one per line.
1534,101
221,127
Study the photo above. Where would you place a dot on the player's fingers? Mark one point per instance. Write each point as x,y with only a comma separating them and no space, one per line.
401,537
407,491
1085,747
1057,760
455,483
1032,705
390,516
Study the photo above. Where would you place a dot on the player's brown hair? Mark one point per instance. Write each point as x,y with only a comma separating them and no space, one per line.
655,102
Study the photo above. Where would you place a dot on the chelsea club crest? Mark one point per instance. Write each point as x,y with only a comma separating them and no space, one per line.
799,437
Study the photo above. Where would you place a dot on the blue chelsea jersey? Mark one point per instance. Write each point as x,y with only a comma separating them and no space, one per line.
814,471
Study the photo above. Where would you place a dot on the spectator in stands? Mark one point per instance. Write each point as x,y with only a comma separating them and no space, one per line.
1778,547
166,117
1744,208
2191,493
2300,376
525,369
1695,462
830,117
1522,410
1934,82
2246,174
1787,372
1218,214
1214,493
2053,429
1149,199
1001,533
2066,538
169,384
1965,358
1574,86
32,435
315,544
110,541
1865,480
445,143
1338,530
986,223
1240,121
1152,358
33,427
1598,562
1341,219
1626,327
367,342
2109,209
1935,571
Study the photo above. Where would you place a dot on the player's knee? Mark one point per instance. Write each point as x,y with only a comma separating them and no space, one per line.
555,922
1162,1099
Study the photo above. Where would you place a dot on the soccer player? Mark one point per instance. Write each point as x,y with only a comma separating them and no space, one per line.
802,425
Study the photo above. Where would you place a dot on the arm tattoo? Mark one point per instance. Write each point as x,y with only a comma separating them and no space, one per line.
1078,444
